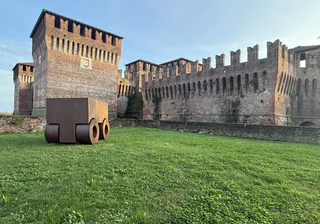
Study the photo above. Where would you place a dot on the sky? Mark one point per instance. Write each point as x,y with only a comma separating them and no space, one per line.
161,31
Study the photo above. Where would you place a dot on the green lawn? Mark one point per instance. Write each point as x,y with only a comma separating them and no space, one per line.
142,175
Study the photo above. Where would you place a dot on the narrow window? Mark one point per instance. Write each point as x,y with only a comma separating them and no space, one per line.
57,45
93,34
52,40
283,83
104,56
205,86
167,92
116,59
306,86
95,54
78,48
111,58
91,52
68,43
239,84
246,82
100,55
120,90
150,95
72,48
104,37
188,93
108,57
184,91
211,86
57,22
163,93
62,45
82,50
255,82
280,82
179,90
70,26
171,92
87,51
286,85
159,90
175,91
82,30
224,85
231,85
193,88
217,86
314,87
199,88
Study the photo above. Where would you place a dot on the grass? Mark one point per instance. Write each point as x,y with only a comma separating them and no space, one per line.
142,175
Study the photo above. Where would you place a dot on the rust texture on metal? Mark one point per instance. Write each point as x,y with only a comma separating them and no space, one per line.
71,120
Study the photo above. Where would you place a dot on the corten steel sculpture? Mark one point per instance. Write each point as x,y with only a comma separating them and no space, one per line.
71,120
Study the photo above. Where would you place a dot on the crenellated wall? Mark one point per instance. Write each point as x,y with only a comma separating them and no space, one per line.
244,92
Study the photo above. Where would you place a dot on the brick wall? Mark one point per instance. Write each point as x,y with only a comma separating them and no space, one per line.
74,60
278,133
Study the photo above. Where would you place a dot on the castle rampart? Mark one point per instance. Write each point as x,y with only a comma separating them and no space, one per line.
241,92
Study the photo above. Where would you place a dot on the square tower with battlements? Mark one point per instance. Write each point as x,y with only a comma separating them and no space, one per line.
73,60
23,88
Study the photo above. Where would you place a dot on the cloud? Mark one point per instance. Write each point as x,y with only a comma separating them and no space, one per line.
14,52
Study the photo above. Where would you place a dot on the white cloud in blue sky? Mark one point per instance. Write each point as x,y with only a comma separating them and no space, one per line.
160,31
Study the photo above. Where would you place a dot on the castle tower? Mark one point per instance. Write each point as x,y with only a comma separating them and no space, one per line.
23,88
137,68
73,60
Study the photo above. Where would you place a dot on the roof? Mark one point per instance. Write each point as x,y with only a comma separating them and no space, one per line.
143,61
44,11
24,63
305,48
178,59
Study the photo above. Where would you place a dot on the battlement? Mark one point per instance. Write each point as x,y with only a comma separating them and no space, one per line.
23,72
181,66
253,53
235,57
74,26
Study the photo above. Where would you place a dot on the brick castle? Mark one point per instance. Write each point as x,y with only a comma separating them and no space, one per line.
72,59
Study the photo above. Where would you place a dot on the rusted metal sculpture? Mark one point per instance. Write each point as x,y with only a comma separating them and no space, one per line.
71,120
